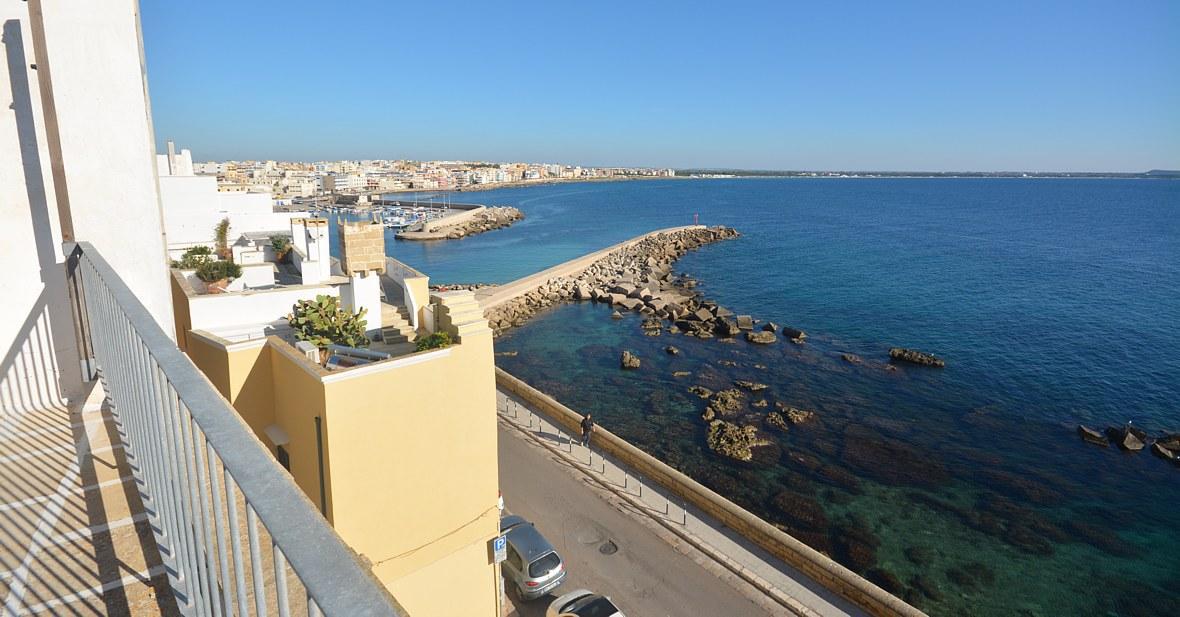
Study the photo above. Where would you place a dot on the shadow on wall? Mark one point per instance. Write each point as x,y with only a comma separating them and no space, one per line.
30,373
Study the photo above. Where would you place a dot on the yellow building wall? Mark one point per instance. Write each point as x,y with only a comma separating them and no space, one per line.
434,591
298,401
180,314
241,372
414,471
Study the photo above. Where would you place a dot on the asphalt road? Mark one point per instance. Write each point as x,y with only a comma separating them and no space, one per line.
645,575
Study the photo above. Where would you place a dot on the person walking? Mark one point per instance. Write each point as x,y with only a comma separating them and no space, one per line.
587,430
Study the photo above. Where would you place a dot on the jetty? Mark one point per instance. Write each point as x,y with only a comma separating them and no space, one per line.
491,297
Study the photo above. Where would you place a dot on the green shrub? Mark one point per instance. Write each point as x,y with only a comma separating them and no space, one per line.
280,244
210,271
437,340
322,322
193,258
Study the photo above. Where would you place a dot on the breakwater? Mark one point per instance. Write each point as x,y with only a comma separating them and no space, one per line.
471,222
635,275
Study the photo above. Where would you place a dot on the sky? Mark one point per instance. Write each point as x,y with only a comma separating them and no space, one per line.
905,86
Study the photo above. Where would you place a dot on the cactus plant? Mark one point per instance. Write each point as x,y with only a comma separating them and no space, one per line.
221,237
322,322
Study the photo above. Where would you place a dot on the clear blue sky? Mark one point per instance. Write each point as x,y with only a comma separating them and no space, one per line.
1066,86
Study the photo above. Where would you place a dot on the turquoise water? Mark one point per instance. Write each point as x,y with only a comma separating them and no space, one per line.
964,490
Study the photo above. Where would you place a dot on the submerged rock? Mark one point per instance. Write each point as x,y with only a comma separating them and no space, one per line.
701,391
1165,453
776,420
800,511
851,358
681,373
916,357
727,402
761,338
671,350
752,386
795,415
616,315
1092,436
733,441
629,361
759,404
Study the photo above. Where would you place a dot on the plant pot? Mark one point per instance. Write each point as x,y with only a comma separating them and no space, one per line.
216,287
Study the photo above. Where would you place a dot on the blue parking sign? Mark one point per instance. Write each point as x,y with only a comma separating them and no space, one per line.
499,549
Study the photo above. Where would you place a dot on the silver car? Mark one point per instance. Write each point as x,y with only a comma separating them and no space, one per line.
532,563
583,603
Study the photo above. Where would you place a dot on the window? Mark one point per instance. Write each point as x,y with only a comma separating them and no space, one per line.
284,457
514,559
542,566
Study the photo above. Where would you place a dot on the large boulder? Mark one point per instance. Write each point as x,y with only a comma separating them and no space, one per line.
795,415
726,328
629,360
745,322
761,338
1093,436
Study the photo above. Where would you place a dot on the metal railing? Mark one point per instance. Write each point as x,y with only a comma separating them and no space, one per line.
235,533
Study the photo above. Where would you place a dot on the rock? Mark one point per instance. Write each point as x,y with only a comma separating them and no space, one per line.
851,358
761,338
727,363
776,420
727,403
1162,451
616,315
1092,436
1102,539
759,404
671,350
1170,441
926,587
1127,437
733,441
701,391
752,386
770,326
795,415
681,373
891,461
745,322
508,354
916,357
796,335
629,360
726,328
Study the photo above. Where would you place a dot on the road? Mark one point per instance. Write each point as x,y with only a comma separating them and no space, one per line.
646,576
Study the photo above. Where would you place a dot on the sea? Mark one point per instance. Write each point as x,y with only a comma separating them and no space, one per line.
965,490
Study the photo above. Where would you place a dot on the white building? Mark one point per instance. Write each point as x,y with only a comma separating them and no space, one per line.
193,205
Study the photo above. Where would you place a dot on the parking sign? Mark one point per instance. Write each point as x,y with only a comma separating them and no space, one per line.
499,549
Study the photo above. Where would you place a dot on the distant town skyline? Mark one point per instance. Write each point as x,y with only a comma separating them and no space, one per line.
997,87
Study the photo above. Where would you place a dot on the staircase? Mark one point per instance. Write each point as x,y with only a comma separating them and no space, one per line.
395,325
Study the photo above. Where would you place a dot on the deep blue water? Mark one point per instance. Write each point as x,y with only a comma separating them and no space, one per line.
1054,302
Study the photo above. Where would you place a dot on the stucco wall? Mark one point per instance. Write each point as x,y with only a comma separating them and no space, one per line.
209,312
36,330
100,139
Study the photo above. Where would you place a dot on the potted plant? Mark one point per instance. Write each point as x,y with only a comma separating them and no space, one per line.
282,248
217,274
193,258
221,238
322,322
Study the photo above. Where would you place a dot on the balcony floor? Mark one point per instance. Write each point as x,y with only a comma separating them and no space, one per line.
74,537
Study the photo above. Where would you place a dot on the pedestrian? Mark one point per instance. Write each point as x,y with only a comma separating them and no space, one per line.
587,429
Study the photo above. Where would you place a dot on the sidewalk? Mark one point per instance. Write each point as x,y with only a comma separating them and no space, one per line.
721,547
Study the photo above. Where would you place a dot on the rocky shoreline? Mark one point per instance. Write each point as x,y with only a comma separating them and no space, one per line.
635,278
490,219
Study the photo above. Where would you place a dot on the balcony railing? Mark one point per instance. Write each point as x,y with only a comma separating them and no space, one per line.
236,534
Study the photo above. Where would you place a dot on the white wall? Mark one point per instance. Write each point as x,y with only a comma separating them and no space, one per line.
364,292
217,311
38,353
100,139
193,206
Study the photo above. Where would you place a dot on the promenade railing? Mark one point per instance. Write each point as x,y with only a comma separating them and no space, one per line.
235,533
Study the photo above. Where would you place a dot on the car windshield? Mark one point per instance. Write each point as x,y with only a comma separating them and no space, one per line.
593,606
544,565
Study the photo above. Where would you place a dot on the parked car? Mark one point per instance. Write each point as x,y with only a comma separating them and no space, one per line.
583,603
532,563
